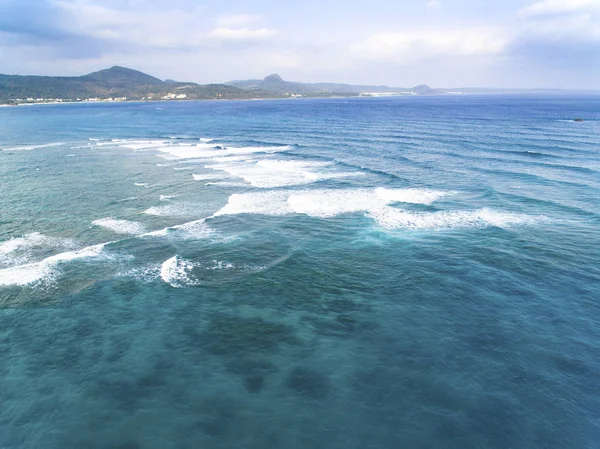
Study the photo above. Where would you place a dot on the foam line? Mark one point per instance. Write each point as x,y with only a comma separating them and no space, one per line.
324,203
46,269
120,226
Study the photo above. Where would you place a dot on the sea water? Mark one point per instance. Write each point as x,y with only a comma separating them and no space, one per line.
334,273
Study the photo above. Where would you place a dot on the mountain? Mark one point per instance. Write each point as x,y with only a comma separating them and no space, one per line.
121,76
274,83
116,82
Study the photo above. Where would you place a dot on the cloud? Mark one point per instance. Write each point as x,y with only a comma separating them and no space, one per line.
73,28
433,5
568,22
242,34
237,20
548,42
419,44
556,7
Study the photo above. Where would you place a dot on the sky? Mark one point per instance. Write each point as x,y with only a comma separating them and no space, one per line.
443,43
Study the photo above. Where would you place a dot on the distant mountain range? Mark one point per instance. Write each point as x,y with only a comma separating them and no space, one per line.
274,83
123,84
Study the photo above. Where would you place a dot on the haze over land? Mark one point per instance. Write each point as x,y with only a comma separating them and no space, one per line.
444,43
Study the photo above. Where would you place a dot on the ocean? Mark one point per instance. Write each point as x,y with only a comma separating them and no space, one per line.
364,273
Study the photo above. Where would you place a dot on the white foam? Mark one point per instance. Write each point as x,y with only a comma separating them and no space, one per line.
208,176
18,250
174,272
205,150
177,271
269,173
415,196
323,203
375,203
27,241
167,197
197,229
173,210
35,147
329,203
231,159
392,218
226,184
120,226
142,184
266,203
46,270
142,144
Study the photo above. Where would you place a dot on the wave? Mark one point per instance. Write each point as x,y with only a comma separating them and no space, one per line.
207,176
197,229
265,203
180,273
46,270
21,249
375,203
324,203
120,226
173,210
142,184
174,272
270,173
391,218
34,147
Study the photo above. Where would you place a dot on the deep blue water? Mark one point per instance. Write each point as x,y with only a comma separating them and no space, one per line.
362,273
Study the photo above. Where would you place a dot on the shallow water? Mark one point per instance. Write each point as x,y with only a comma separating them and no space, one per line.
361,273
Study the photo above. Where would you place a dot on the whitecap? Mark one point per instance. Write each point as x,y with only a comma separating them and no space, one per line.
270,173
172,210
120,226
375,203
20,249
323,203
204,150
142,184
266,203
35,147
175,272
415,196
46,270
193,230
207,176
391,218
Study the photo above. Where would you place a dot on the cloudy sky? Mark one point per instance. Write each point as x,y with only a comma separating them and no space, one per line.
444,43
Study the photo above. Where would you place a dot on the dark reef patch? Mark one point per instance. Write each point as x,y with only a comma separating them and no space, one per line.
252,372
308,382
228,334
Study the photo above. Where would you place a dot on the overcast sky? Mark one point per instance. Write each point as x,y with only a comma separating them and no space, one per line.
444,43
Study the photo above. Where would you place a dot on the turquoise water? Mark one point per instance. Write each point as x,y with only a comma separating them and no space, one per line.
360,273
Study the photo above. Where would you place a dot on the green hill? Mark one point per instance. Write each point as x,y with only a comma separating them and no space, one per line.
116,82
